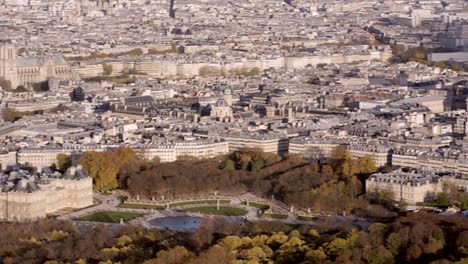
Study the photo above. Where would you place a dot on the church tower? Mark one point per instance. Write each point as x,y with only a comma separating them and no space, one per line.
8,62
227,96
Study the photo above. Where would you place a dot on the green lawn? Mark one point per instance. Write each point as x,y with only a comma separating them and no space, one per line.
223,210
198,202
307,218
275,216
110,217
142,206
258,205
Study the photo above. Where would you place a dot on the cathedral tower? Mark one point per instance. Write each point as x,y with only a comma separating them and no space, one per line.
8,62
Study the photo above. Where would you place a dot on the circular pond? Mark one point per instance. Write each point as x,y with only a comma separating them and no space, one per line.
177,222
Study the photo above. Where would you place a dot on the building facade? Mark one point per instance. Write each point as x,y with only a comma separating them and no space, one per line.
29,197
167,152
408,187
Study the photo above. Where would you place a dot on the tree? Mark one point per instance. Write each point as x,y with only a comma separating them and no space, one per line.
156,159
253,159
21,89
315,168
316,256
186,157
462,261
215,254
462,242
337,158
327,170
378,228
107,69
367,165
11,115
122,198
254,254
420,54
209,71
101,168
63,162
229,165
339,153
257,165
104,167
394,243
277,239
124,240
336,246
56,235
5,84
441,64
438,235
133,52
379,255
313,80
176,255
321,65
349,167
39,87
231,243
442,200
457,67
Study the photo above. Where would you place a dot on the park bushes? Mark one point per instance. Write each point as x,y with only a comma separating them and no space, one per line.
290,178
416,238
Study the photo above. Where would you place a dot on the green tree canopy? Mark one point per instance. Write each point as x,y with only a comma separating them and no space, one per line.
63,162
107,69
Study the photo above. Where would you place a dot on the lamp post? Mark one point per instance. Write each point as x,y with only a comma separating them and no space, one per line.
6,206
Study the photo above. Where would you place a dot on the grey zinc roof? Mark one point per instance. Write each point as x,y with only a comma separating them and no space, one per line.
74,173
139,99
25,185
37,62
27,62
422,99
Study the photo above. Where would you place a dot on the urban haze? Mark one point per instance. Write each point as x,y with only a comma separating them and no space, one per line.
233,131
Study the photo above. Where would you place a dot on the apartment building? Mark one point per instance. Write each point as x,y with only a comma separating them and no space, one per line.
408,187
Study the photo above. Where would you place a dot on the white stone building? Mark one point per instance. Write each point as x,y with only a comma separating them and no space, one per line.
408,187
413,187
167,152
29,197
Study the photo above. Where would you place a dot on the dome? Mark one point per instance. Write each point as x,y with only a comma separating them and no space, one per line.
227,91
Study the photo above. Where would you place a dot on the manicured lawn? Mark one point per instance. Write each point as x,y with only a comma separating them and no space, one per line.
223,210
142,206
198,202
307,218
258,205
110,216
275,216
